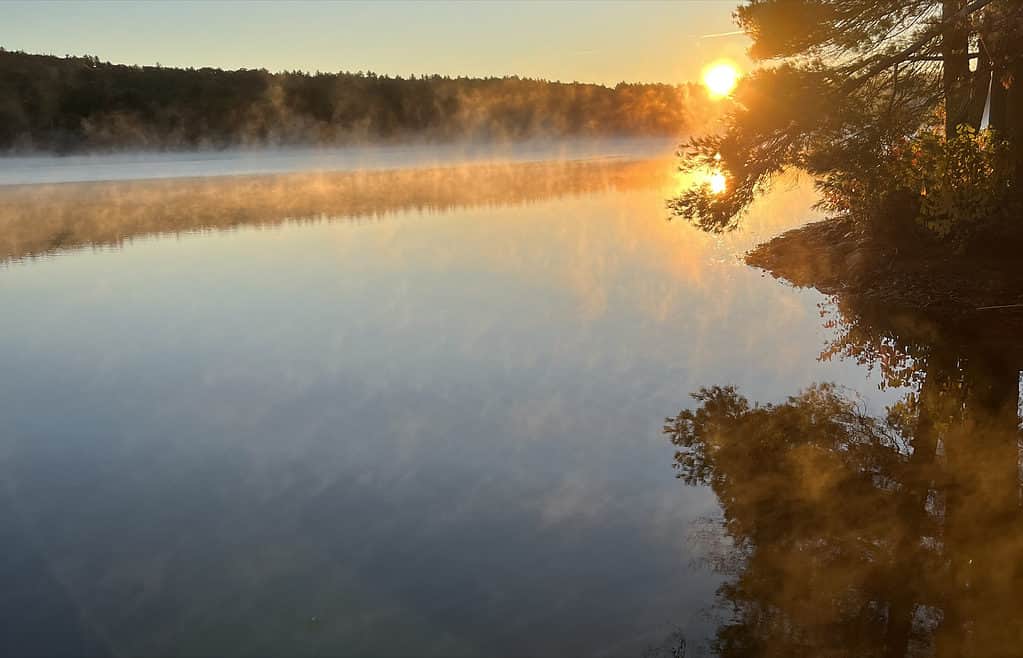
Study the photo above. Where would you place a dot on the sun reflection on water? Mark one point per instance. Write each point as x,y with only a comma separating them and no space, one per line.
717,183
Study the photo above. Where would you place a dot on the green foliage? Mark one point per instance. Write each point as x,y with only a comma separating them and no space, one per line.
957,188
864,175
965,183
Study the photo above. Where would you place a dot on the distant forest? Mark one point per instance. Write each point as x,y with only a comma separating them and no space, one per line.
67,104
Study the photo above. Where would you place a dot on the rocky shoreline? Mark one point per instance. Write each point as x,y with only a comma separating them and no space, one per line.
837,259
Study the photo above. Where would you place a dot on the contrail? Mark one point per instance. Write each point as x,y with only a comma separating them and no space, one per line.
722,34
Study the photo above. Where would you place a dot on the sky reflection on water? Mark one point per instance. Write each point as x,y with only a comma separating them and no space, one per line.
374,413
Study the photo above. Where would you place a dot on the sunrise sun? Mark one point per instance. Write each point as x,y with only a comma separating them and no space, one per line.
720,79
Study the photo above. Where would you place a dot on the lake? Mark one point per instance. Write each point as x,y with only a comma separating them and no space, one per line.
412,406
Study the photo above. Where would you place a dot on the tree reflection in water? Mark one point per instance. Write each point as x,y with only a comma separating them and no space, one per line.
855,535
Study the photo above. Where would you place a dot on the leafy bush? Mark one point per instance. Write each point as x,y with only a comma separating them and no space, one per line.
965,183
958,189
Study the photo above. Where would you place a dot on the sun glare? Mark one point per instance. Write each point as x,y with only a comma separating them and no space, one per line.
720,79
717,183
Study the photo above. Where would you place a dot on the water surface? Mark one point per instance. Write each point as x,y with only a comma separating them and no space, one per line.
378,411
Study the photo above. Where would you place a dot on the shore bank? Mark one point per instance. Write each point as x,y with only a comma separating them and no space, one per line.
836,259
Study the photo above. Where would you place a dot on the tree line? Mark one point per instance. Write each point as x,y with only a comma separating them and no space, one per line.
80,103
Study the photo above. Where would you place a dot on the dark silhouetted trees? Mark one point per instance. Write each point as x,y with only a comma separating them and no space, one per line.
877,99
74,103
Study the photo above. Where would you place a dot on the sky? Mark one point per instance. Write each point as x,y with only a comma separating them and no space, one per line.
603,42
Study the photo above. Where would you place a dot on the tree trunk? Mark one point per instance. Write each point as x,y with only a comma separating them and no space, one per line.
955,41
999,104
918,481
1013,129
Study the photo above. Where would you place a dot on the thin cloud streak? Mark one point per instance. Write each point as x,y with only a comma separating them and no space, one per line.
716,35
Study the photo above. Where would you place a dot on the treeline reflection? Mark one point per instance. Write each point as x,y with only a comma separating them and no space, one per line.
43,219
860,535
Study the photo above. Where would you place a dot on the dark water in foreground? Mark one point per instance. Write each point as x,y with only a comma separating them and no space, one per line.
419,412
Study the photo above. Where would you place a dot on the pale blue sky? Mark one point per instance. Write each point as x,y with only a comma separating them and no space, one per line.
587,41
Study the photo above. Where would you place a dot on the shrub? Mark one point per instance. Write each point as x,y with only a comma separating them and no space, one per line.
965,183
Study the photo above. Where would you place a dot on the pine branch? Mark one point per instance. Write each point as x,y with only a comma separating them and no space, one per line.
885,63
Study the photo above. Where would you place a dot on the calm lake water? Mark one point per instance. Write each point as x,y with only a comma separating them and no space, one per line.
417,411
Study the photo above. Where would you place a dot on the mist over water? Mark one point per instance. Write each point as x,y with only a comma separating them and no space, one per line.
378,411
357,364
21,170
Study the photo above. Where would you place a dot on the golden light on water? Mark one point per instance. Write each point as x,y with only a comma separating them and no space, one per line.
720,79
712,179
